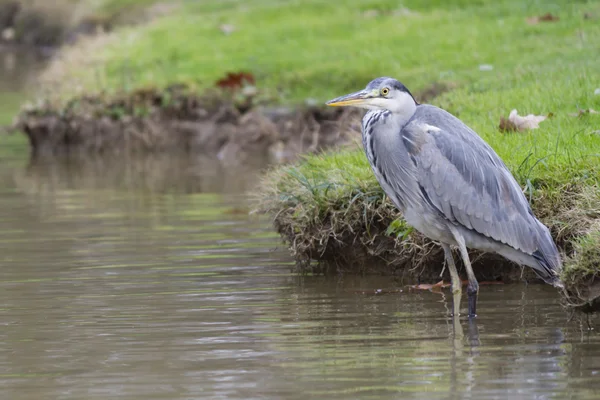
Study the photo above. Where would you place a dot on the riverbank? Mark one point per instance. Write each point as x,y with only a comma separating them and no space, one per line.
180,119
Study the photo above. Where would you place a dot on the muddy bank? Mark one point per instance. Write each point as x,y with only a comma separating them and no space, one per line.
365,245
227,121
178,119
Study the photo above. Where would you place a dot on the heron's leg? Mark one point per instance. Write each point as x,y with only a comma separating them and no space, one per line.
456,283
473,286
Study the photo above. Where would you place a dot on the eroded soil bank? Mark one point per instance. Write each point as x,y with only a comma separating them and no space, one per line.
177,118
224,121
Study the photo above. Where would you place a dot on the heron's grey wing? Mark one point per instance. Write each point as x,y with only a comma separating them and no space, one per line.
463,178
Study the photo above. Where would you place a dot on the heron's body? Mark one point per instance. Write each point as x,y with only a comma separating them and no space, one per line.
477,197
449,184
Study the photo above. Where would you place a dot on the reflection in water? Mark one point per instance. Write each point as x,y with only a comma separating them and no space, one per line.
156,173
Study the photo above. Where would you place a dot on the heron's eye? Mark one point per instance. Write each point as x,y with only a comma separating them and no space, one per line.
385,91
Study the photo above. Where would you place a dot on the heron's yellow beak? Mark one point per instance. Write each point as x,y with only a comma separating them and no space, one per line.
353,99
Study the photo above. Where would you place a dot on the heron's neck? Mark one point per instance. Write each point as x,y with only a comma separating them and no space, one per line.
404,109
401,117
396,119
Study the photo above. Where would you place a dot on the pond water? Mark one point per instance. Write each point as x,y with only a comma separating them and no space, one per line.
147,279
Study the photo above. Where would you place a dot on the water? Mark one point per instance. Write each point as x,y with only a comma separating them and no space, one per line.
148,280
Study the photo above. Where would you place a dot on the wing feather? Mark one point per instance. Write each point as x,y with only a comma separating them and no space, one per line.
464,179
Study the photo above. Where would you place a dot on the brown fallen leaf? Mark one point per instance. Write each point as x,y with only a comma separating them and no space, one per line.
236,80
549,17
542,18
516,122
585,112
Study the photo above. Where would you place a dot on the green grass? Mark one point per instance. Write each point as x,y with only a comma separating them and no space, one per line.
318,48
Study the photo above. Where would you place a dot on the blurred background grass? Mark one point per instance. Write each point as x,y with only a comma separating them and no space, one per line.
313,48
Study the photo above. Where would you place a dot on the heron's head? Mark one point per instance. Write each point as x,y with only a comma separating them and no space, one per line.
380,94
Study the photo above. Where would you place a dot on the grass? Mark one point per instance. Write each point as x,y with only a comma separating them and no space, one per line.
317,49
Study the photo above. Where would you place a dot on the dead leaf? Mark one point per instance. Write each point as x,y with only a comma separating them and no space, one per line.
582,113
549,17
516,122
542,18
236,80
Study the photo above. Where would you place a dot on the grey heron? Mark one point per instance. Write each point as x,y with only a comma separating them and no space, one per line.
449,184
